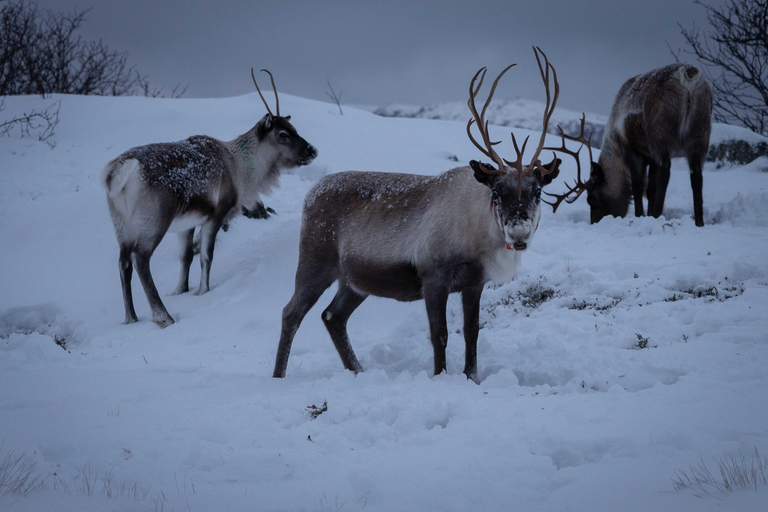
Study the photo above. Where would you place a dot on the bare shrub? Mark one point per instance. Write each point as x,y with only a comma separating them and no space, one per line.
41,52
35,123
734,51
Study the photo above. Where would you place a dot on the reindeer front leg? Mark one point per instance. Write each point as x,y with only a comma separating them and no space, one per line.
207,240
470,299
436,299
185,255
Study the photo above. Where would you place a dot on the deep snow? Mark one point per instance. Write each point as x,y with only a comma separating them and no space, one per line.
570,413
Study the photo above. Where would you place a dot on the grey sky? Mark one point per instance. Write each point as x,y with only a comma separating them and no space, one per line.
393,51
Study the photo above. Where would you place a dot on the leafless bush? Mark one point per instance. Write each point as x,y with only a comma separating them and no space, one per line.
734,52
42,53
40,123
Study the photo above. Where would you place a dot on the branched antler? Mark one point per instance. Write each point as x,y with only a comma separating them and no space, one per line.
549,107
482,123
479,119
579,186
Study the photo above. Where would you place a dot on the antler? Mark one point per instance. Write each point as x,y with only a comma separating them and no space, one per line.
277,100
579,186
482,123
549,108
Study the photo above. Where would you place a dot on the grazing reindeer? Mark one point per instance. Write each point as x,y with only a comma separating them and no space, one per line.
411,237
199,181
657,116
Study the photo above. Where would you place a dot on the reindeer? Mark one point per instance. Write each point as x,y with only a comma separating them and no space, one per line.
657,116
410,237
198,181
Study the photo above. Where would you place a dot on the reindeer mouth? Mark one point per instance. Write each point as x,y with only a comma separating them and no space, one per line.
518,246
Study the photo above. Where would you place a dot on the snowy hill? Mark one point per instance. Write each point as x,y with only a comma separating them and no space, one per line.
622,354
519,113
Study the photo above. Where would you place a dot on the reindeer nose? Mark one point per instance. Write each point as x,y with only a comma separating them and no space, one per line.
519,232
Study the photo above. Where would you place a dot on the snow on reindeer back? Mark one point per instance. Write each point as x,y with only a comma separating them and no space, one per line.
369,185
186,168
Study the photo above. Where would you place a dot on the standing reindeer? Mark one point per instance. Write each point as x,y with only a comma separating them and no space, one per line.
199,181
411,237
662,114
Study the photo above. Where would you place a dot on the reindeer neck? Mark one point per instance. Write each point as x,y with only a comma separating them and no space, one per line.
257,171
615,169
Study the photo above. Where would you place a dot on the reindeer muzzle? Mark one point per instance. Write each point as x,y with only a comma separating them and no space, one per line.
309,154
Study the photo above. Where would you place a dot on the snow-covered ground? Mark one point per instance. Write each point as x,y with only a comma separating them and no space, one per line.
570,414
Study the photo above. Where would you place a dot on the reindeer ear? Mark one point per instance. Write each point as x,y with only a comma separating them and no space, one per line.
287,118
553,169
265,125
482,175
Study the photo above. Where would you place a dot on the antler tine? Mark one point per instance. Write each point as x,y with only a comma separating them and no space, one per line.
479,118
579,186
563,197
549,108
261,95
277,99
518,163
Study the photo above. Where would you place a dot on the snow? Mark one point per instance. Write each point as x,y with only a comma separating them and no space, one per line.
570,413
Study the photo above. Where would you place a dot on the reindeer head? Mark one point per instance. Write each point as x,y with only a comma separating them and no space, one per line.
515,188
600,199
280,133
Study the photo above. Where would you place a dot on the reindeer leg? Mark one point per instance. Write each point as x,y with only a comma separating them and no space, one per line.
436,299
658,179
470,300
310,285
126,272
697,182
335,319
159,314
637,168
661,190
185,255
207,241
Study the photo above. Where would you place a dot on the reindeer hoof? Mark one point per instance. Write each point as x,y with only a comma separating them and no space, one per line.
473,377
201,291
164,321
179,291
130,320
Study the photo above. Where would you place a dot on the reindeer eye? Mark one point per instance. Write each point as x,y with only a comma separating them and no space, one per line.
494,195
538,194
283,136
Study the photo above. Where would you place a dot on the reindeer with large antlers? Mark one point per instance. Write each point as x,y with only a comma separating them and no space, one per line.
410,237
200,181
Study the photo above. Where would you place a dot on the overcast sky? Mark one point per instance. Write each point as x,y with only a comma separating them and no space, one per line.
395,51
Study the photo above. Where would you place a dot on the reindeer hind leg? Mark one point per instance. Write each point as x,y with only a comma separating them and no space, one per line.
335,319
145,247
311,281
126,273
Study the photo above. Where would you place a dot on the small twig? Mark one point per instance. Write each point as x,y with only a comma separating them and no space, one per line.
336,99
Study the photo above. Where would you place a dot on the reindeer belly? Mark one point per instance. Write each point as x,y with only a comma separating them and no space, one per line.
187,221
394,281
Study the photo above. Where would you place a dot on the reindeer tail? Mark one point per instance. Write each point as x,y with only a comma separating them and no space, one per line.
116,174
